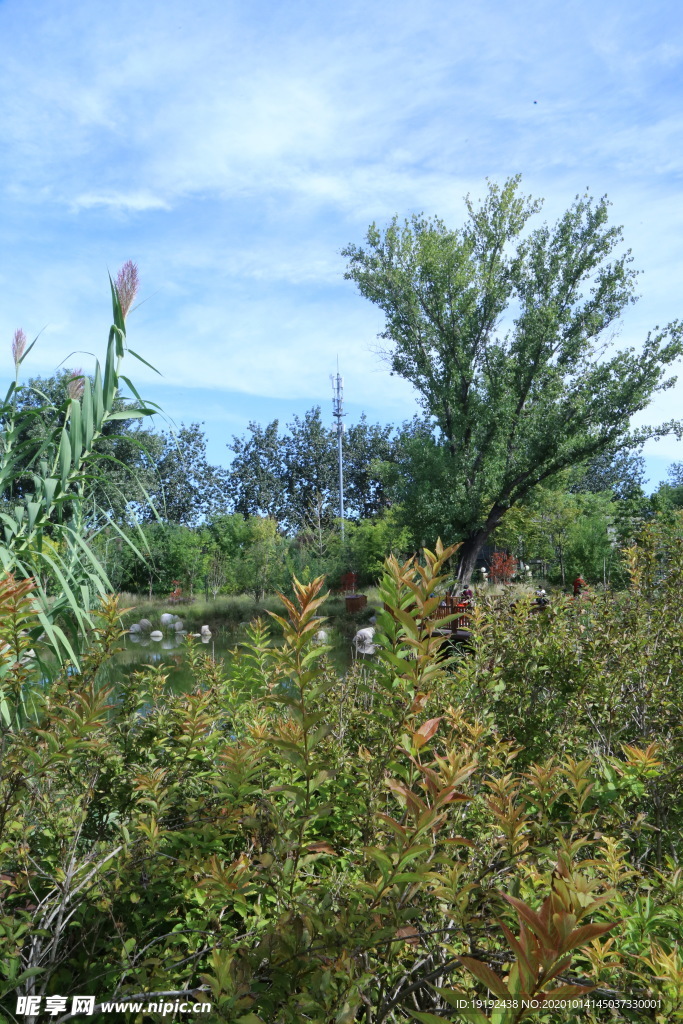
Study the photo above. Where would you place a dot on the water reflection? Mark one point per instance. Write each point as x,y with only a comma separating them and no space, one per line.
174,640
139,650
166,651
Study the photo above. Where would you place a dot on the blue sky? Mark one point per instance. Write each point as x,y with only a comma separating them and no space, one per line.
232,150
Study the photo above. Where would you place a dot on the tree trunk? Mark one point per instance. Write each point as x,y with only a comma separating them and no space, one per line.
471,547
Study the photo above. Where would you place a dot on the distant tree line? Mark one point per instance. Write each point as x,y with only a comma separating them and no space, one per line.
293,477
273,512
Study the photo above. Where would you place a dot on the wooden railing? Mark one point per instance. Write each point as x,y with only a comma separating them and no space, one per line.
451,606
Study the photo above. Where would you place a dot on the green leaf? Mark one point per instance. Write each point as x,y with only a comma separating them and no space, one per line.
33,508
58,639
130,351
28,348
64,458
75,432
134,391
484,973
109,385
50,485
5,711
75,538
97,397
87,417
117,312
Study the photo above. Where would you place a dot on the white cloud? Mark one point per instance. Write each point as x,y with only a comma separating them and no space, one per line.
232,150
135,202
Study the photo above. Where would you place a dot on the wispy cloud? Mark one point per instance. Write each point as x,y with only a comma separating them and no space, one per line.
136,202
232,150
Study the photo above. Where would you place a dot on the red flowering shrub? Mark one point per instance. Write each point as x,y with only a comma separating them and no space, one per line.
503,567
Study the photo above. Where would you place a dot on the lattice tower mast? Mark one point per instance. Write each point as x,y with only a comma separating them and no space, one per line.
338,412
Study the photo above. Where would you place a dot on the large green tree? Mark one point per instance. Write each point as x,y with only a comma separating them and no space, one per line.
506,336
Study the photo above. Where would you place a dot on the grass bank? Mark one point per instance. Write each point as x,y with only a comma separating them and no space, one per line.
232,611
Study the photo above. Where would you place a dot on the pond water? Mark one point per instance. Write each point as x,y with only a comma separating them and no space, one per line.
138,651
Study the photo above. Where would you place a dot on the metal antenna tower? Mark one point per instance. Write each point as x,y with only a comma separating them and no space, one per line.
338,413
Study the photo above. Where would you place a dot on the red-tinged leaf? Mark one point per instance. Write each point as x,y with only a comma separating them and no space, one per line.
449,796
429,773
414,804
460,841
463,774
545,912
581,936
563,927
427,729
532,919
407,621
558,968
396,787
321,848
484,973
278,618
392,823
528,965
409,934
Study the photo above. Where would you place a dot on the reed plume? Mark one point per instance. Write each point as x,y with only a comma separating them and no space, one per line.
76,384
126,284
18,345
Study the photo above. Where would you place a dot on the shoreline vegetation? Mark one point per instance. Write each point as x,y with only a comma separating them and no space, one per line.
403,841
225,610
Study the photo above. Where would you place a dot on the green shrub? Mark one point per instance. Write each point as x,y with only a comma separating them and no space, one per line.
384,846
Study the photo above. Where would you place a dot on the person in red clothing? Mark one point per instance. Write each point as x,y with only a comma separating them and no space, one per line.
579,584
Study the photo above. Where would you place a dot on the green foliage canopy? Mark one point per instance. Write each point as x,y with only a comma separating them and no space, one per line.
511,410
293,477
